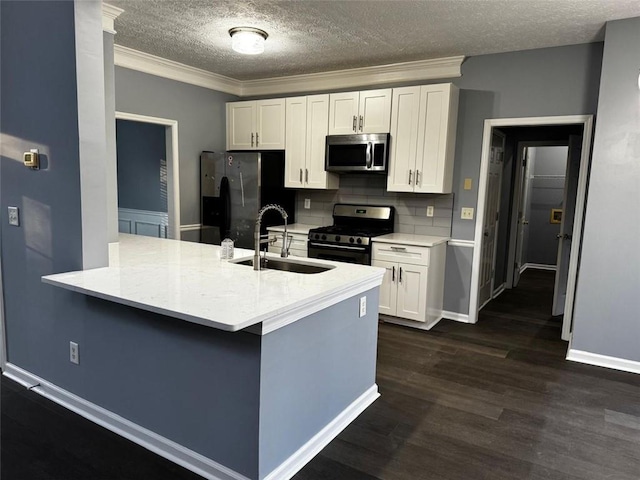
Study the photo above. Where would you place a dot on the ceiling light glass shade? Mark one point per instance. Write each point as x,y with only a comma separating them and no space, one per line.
247,40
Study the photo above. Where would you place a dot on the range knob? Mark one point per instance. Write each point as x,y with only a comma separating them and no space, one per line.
351,240
324,237
337,238
317,236
359,240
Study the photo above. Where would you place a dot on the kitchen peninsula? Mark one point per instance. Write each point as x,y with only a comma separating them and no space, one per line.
231,372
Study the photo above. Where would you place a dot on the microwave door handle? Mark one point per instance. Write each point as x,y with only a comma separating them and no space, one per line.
368,154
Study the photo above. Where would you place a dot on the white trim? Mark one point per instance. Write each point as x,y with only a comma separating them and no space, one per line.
144,437
304,454
439,68
173,167
455,316
462,243
109,15
538,266
603,361
190,227
409,323
143,218
3,343
489,124
146,63
496,293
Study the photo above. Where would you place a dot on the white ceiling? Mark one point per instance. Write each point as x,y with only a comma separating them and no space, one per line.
309,36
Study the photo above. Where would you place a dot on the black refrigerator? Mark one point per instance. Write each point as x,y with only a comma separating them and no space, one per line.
234,186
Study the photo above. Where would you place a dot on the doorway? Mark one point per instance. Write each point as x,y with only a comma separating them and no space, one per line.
150,221
508,214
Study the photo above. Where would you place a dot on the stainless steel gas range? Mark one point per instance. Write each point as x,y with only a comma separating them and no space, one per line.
349,238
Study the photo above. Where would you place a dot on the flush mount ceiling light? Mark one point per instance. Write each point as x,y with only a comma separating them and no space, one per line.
248,40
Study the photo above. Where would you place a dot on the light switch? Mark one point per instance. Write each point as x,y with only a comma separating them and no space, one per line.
467,184
430,210
14,216
466,213
307,203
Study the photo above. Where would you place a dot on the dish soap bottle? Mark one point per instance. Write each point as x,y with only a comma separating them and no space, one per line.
227,249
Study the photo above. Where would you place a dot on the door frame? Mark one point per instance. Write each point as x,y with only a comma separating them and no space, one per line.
3,343
173,166
587,122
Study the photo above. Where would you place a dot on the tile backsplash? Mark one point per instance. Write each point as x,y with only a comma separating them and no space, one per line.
411,208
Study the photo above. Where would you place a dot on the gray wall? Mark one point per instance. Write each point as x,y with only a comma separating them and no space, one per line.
607,300
201,116
141,153
542,82
546,193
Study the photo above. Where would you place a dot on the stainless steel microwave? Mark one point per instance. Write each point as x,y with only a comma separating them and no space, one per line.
357,153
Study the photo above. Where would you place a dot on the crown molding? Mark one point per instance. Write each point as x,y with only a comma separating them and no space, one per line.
161,67
439,68
421,70
109,15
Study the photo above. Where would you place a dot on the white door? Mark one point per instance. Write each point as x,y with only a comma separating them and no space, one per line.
412,292
270,127
295,145
491,219
404,139
566,226
343,113
523,223
317,128
374,111
389,288
241,122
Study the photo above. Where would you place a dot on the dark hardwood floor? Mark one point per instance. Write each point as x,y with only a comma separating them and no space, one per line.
493,401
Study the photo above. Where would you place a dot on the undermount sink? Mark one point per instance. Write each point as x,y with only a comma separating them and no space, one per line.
295,266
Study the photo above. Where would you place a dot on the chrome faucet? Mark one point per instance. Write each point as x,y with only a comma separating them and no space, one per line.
258,240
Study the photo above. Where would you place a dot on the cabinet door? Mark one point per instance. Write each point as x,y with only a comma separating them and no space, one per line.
404,139
434,140
241,121
374,111
296,141
412,292
343,113
317,128
388,289
270,129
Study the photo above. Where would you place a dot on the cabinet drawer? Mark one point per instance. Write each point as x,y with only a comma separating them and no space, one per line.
393,252
298,246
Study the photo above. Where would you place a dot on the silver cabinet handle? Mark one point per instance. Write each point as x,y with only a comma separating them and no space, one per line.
417,177
300,175
256,139
361,122
410,173
252,139
306,175
400,277
354,123
393,274
399,249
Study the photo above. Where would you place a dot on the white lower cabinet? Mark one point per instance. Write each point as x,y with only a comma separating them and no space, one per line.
413,284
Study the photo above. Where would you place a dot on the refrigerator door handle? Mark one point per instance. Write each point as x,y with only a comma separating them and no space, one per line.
225,208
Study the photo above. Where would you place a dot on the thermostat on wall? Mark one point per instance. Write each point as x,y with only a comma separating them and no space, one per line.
32,159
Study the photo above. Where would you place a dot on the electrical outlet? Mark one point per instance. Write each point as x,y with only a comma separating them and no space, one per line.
466,213
307,203
363,306
14,216
430,211
74,353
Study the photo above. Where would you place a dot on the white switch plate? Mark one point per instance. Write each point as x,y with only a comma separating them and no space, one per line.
466,213
14,216
363,306
430,210
74,353
307,203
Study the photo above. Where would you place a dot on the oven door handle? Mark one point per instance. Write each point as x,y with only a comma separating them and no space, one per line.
328,245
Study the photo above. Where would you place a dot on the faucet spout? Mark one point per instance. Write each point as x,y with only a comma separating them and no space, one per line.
258,239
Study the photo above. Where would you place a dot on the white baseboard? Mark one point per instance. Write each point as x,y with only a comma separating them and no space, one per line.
537,266
146,438
455,316
300,458
603,361
409,323
499,290
175,452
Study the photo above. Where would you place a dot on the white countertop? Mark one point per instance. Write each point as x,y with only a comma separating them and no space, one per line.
300,228
411,239
189,281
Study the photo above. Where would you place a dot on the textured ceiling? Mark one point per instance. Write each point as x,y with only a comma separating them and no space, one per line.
308,36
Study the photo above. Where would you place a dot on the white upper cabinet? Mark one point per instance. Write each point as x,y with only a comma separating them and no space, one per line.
360,112
256,125
423,133
306,131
